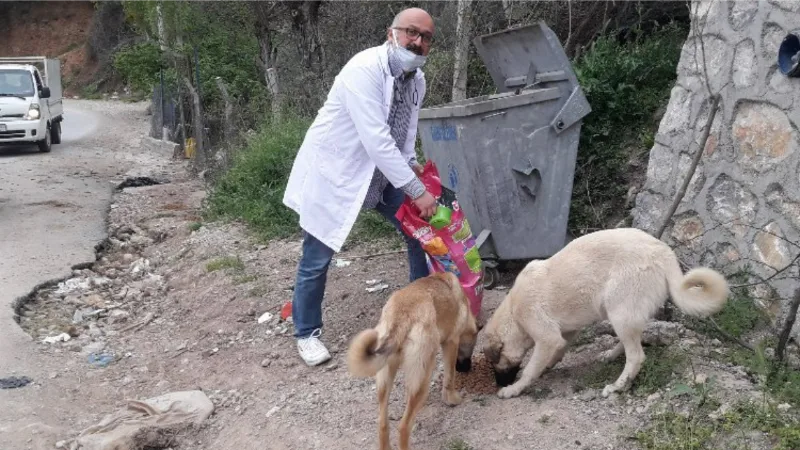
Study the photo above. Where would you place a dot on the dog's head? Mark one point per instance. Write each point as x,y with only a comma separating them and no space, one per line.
506,344
466,345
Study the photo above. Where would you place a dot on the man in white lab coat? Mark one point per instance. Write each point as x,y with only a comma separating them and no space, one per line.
359,153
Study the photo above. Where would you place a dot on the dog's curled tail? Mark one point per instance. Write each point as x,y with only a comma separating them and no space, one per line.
700,293
367,354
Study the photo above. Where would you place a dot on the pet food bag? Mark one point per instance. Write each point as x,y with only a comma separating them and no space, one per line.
446,237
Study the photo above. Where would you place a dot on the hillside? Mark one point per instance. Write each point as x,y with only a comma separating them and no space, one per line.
57,29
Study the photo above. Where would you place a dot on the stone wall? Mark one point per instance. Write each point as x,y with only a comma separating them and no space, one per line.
743,202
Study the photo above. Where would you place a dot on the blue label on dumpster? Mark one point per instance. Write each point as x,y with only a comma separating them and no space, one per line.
444,133
453,178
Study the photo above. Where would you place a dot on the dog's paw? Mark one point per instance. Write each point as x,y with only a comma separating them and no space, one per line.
451,398
608,390
509,392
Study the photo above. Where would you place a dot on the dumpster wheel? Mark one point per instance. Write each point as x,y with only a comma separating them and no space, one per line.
490,277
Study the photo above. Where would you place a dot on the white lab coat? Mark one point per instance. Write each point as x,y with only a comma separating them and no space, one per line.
348,138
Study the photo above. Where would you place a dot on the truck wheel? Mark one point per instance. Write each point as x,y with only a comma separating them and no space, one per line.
45,145
56,133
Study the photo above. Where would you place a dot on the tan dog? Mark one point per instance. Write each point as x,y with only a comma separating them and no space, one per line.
622,275
430,313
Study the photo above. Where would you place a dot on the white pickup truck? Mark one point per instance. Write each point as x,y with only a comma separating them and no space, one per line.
31,108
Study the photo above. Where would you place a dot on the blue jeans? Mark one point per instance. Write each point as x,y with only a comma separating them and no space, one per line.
312,271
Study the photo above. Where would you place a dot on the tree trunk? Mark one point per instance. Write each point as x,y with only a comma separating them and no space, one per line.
508,8
197,125
268,57
162,35
228,110
461,53
275,90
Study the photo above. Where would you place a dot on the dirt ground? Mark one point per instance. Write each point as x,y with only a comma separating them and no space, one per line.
176,304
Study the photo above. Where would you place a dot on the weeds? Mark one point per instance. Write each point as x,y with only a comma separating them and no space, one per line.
659,365
697,429
227,262
740,315
625,85
456,444
252,190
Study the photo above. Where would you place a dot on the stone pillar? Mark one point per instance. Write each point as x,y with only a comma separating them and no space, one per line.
744,199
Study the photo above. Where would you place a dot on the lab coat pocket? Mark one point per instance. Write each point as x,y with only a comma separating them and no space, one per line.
338,168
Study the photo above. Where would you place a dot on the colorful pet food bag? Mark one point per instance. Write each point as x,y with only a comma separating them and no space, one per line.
446,237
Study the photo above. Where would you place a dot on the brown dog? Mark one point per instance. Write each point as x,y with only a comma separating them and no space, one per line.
429,313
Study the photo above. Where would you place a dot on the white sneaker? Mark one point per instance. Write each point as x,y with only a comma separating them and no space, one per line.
312,350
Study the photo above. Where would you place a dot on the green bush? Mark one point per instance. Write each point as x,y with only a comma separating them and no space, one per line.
252,190
139,65
625,84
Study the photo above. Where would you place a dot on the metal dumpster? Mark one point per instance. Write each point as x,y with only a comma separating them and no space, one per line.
510,157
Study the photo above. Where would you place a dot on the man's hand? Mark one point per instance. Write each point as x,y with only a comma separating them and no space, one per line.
426,204
417,169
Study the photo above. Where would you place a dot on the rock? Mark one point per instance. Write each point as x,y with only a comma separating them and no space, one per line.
721,411
266,362
272,411
95,301
784,407
770,248
95,331
73,300
63,337
654,397
688,230
700,378
588,395
94,347
731,204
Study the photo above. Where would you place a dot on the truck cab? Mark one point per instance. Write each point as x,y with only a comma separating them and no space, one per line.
31,109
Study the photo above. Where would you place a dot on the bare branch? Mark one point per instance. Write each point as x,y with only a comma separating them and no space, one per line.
778,272
692,168
780,350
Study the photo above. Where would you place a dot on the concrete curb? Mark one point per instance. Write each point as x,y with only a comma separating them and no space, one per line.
166,148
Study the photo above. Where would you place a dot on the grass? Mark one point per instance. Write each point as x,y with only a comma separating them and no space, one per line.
226,262
252,190
625,84
244,279
671,430
659,365
740,315
456,444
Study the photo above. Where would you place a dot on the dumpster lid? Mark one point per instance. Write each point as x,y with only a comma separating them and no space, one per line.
522,56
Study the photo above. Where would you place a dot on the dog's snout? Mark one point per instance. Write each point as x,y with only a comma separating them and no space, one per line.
506,377
464,365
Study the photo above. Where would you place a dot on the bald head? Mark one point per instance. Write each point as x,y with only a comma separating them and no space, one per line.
412,15
414,30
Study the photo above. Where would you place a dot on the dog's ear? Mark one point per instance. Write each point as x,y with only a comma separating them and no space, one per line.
493,350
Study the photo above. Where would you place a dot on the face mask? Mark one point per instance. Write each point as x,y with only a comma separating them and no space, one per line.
409,60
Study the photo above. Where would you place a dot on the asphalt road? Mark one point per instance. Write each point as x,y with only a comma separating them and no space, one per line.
52,209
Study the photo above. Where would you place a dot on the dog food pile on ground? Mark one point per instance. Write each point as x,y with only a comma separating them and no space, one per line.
479,380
